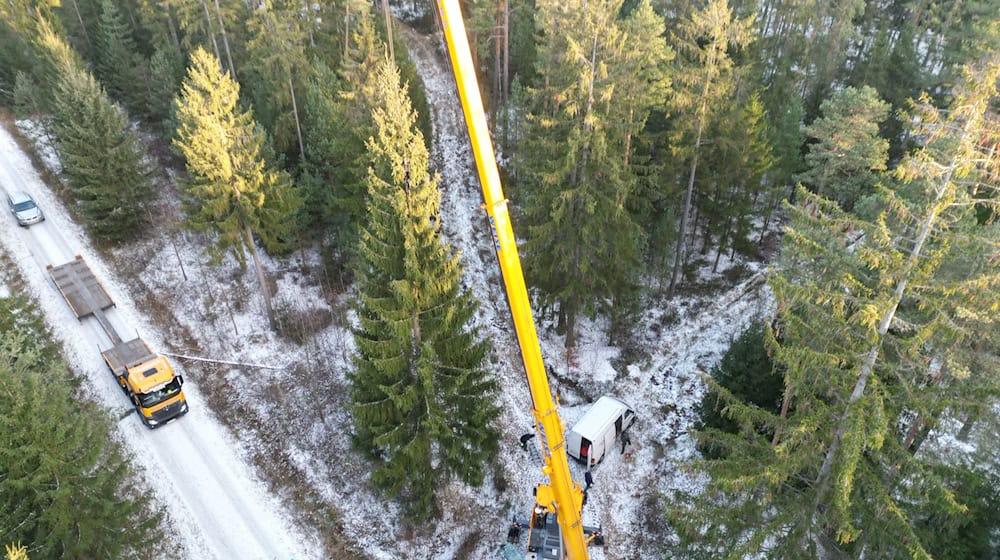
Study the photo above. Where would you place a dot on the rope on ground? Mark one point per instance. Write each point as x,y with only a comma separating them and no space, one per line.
226,362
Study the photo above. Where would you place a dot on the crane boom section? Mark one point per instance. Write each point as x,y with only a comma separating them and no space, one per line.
563,492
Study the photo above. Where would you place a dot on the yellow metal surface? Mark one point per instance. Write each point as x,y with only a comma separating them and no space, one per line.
141,383
562,493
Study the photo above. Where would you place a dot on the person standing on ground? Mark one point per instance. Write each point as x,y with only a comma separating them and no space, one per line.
626,441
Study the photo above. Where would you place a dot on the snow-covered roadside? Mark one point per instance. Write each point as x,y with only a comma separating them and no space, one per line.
215,505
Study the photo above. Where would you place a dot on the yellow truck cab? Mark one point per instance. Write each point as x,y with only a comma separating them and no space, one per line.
145,376
148,380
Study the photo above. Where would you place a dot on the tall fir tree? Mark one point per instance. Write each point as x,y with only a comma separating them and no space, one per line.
66,488
422,401
277,57
166,70
345,175
705,79
737,164
324,159
881,330
102,157
844,163
119,65
231,190
599,77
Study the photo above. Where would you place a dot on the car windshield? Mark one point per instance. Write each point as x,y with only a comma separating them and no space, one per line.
156,397
22,206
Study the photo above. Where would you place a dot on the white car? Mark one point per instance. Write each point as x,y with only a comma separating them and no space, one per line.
23,207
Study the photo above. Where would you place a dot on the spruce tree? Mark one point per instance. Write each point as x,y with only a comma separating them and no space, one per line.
277,58
421,398
844,163
344,172
600,75
102,157
231,190
119,65
166,70
65,486
704,81
748,373
323,160
881,330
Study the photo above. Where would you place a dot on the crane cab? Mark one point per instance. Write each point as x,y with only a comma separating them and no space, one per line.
590,439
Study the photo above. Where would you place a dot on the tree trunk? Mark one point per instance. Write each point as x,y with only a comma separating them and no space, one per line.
295,112
497,62
172,27
970,421
570,327
785,403
225,40
722,243
83,28
684,219
208,29
347,29
921,424
628,134
308,12
261,278
388,30
506,50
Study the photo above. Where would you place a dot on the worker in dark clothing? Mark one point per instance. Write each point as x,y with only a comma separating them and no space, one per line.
524,440
589,479
626,441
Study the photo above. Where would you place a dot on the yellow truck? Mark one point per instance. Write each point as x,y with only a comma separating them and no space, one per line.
146,377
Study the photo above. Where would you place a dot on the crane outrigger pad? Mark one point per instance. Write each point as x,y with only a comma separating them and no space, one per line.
81,289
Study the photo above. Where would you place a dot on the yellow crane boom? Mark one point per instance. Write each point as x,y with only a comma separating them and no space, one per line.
562,495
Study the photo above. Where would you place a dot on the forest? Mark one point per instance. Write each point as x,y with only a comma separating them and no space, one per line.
852,147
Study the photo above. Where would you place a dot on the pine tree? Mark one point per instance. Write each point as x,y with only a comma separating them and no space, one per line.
703,82
881,329
65,486
102,158
421,399
232,190
600,76
843,164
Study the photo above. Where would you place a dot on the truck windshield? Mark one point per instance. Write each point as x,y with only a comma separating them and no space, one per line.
156,397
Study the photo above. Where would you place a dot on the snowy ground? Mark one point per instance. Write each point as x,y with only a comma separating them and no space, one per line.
287,423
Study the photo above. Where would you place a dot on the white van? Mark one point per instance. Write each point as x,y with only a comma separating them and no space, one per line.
595,433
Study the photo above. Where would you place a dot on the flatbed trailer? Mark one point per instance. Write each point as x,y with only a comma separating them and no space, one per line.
146,377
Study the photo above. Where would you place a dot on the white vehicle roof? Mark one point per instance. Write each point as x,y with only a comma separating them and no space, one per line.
18,197
606,408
